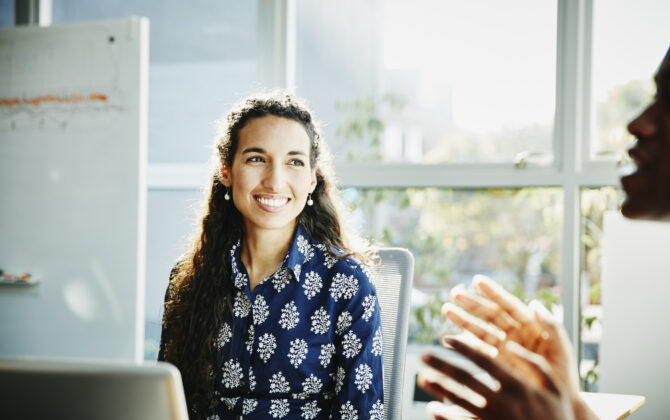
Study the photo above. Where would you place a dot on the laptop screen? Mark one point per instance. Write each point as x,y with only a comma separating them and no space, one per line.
39,389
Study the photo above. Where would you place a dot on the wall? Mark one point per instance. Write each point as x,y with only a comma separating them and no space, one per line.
636,306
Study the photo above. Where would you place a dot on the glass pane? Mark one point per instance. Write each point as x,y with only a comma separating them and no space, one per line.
203,59
624,62
595,202
433,81
513,236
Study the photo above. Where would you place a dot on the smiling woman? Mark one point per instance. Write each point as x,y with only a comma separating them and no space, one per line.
272,254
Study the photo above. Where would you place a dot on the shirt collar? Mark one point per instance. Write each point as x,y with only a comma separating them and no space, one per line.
300,252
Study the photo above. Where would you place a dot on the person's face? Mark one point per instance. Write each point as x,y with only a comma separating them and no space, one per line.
271,176
648,189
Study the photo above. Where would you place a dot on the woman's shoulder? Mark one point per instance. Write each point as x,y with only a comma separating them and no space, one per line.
352,266
332,261
348,271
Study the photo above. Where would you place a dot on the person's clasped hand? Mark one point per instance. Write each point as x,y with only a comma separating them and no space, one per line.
532,347
514,397
496,316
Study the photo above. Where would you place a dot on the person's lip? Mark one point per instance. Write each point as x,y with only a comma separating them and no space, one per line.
634,178
271,203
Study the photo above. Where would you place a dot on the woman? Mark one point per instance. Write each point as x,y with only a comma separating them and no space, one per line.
270,313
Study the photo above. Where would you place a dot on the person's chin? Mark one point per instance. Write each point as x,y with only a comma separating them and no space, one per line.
639,209
275,221
633,208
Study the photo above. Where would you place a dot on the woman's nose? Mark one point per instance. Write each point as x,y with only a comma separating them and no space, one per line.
273,177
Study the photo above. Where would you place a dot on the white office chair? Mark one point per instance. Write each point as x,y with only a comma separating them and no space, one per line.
393,279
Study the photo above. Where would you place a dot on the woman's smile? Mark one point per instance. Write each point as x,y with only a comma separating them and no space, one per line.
271,203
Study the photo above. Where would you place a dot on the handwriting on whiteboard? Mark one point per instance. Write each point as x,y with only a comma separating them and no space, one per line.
64,99
64,111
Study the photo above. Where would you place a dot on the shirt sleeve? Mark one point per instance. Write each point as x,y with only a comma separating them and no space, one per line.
359,383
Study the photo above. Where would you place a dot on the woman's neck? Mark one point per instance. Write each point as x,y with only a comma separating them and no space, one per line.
263,252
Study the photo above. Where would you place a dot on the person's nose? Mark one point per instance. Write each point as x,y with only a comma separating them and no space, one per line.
274,177
643,126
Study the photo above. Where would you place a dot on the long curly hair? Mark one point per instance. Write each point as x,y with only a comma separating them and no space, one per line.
199,295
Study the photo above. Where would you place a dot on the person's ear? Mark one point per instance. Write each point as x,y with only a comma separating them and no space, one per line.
225,174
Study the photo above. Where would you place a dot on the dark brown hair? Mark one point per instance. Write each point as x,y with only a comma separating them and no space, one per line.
199,295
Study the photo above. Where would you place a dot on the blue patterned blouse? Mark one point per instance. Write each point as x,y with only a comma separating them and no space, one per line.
306,343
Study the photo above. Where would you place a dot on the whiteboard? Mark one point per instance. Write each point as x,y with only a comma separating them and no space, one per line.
636,308
73,107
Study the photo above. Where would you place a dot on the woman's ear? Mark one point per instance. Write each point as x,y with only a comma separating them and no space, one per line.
225,175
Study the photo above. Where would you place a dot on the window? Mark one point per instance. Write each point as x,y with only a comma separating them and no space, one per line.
511,235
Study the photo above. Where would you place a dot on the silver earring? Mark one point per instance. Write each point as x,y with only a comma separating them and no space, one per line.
227,196
309,199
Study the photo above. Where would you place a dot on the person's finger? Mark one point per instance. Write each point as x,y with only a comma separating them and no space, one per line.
474,342
529,333
493,367
484,331
459,375
507,301
541,311
536,363
546,324
485,309
441,411
438,390
436,383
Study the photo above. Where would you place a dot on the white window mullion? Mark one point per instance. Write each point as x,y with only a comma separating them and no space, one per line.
390,175
276,44
574,23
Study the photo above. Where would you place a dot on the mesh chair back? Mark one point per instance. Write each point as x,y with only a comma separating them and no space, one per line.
393,279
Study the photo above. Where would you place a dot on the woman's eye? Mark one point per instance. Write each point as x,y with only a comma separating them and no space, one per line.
255,159
296,162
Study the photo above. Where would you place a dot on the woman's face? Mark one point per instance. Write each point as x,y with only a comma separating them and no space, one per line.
271,176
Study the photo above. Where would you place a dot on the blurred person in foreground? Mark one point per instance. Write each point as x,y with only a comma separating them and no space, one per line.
523,348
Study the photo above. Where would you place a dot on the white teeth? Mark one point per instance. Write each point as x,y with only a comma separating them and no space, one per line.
627,169
272,202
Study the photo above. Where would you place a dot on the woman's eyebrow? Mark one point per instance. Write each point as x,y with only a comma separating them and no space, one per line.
297,152
253,150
